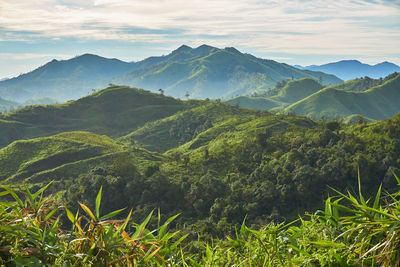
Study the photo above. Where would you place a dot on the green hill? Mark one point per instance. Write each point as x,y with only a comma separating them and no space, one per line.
377,103
114,111
257,103
63,155
279,98
211,72
184,126
296,90
362,84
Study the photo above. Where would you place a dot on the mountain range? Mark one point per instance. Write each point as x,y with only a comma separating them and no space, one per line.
374,99
377,102
352,69
202,72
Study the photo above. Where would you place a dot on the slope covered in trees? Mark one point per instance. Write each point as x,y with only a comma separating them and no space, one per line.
115,111
376,103
214,163
374,99
281,96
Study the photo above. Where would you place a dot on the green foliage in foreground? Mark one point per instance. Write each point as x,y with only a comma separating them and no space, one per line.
31,234
351,231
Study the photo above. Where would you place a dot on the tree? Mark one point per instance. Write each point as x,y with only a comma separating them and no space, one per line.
161,91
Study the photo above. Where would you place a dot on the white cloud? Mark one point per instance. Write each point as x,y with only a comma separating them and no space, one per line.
26,56
291,26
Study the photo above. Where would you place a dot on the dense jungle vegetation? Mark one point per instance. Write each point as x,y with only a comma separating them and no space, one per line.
238,178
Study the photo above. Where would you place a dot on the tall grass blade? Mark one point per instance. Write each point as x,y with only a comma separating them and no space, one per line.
98,201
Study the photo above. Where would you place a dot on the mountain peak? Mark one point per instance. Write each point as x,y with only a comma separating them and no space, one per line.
203,49
354,61
87,56
182,48
232,50
386,63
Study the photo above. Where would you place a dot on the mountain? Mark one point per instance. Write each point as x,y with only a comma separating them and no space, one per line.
351,69
376,103
65,154
114,111
279,97
64,80
202,72
296,90
207,71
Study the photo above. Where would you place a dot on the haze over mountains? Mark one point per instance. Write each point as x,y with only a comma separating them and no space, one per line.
352,69
210,72
202,72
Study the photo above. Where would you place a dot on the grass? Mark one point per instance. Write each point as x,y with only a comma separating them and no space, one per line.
352,230
32,233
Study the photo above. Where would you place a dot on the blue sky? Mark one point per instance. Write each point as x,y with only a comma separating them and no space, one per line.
305,32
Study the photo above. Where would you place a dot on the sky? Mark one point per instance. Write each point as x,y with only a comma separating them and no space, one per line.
304,32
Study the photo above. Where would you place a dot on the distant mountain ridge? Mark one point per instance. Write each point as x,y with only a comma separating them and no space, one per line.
211,72
65,79
351,69
202,72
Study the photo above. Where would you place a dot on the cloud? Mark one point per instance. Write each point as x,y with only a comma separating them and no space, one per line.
291,26
27,56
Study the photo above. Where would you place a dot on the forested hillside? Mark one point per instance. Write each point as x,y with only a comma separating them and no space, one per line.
212,162
114,111
373,99
377,103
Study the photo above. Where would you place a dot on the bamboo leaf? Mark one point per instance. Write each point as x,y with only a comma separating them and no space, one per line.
359,188
111,214
327,243
19,201
35,195
98,201
377,198
51,213
140,229
87,210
